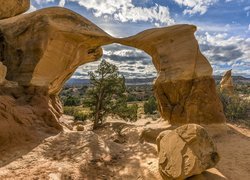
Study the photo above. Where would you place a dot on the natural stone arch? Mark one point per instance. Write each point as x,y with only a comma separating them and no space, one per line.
42,49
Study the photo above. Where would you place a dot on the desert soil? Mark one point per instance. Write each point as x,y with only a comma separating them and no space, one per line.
104,155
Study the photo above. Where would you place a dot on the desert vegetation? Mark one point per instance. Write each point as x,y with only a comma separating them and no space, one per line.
236,106
107,94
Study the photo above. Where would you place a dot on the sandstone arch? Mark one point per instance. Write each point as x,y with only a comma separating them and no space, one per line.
42,49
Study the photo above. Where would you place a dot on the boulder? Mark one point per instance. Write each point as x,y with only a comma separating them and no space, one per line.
226,83
186,151
10,8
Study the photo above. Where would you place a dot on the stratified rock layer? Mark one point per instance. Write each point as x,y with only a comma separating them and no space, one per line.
226,83
10,8
185,151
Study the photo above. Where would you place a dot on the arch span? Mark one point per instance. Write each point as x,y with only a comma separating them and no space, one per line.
42,49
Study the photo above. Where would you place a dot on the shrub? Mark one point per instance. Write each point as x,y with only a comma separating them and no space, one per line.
71,101
128,112
150,106
76,112
234,107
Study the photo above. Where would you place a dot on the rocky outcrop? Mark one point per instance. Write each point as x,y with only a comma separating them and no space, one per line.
226,83
10,8
185,89
42,49
186,151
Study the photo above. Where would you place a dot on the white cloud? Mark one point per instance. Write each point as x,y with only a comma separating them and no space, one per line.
247,8
131,62
126,11
62,3
40,2
195,6
31,9
225,52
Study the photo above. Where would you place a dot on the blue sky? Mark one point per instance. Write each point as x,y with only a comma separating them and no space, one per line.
223,30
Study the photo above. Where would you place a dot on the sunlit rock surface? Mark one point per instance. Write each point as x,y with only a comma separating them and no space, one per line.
226,83
185,151
42,49
185,89
10,8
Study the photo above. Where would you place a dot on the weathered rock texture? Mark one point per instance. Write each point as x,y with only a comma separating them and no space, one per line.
186,151
184,88
10,8
42,49
3,71
226,84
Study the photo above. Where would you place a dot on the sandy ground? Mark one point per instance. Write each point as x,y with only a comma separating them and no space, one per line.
105,155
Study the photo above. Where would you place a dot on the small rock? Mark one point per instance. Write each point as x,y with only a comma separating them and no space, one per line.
80,127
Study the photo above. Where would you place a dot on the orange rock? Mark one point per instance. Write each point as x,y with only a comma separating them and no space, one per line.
226,83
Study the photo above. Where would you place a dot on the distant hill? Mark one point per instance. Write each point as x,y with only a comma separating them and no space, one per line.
135,81
141,81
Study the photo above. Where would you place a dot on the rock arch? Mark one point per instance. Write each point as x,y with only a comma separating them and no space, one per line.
42,49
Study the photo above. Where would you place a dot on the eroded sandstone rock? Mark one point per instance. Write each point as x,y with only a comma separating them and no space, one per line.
184,88
10,8
226,83
185,151
42,49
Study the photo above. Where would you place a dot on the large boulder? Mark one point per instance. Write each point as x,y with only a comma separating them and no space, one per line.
10,8
185,151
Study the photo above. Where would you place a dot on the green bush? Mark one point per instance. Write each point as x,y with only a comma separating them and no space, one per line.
235,107
76,112
150,106
127,112
71,101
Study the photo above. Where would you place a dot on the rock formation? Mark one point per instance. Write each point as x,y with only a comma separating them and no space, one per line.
42,49
186,151
10,8
185,89
226,83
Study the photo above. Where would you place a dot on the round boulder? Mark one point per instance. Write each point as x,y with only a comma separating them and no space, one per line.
185,151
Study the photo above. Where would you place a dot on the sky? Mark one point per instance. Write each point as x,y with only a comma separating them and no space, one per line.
223,30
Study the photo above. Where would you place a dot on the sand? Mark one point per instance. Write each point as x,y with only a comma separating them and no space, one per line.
114,151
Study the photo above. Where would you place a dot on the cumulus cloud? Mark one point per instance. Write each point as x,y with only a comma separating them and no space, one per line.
195,6
126,11
40,2
132,62
226,52
62,3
